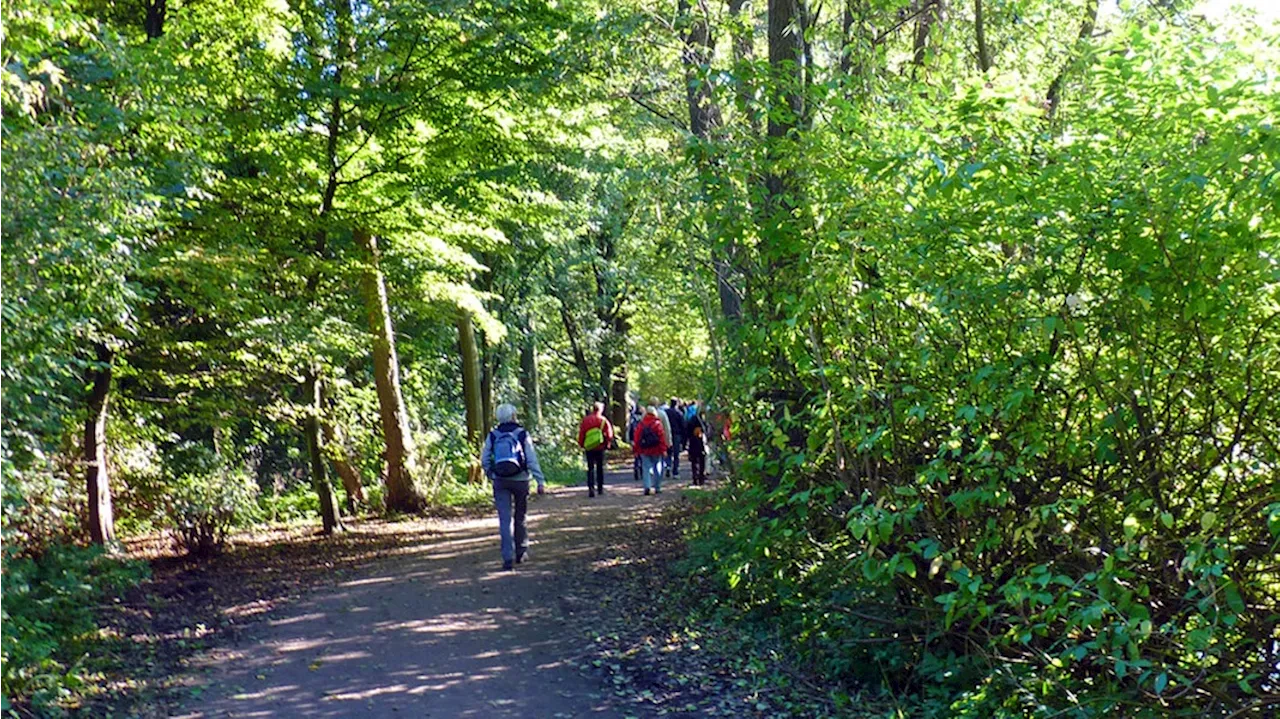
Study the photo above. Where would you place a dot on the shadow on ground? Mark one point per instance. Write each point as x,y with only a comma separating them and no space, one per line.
429,625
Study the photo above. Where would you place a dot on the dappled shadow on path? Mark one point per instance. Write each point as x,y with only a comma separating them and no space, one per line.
437,629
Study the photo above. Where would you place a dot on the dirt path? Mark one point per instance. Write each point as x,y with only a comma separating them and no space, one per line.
437,630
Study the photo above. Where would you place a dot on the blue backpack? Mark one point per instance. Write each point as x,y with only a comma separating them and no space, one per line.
508,452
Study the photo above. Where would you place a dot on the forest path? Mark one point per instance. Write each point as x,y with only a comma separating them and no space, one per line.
438,629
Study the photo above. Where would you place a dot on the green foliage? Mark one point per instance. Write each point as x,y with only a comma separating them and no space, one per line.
49,609
1023,456
297,504
199,497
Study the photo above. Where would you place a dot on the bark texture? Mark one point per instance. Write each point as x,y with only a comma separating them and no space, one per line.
530,382
472,392
153,22
401,495
980,34
315,453
335,447
472,395
97,478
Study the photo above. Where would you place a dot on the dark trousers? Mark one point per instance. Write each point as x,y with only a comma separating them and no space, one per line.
512,500
673,458
698,467
595,468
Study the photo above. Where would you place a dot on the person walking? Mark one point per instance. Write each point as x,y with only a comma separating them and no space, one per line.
664,462
697,432
690,410
650,445
675,421
508,459
595,434
637,414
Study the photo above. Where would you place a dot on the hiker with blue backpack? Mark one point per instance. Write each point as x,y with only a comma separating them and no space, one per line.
508,459
595,434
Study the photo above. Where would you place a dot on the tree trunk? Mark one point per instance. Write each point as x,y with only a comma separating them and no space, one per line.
319,474
980,32
704,114
529,381
613,369
846,39
472,394
781,225
715,344
97,480
575,344
1054,97
705,117
335,447
153,23
930,10
618,401
786,59
487,371
471,391
401,495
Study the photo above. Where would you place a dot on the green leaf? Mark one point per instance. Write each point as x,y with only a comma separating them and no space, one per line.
1234,600
1207,520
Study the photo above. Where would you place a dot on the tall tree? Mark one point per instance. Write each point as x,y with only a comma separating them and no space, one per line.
401,495
315,454
530,382
473,398
97,477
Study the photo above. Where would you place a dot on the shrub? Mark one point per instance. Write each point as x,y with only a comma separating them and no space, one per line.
48,595
1033,469
298,503
48,614
199,498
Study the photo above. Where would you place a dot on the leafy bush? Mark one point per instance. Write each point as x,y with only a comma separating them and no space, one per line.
299,503
48,613
48,594
1033,467
199,498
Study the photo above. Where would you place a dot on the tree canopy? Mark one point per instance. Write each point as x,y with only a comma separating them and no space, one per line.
987,292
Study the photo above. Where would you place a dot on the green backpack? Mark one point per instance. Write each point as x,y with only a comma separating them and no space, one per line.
594,438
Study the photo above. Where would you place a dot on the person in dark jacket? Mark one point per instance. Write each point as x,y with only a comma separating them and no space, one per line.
676,419
637,414
696,441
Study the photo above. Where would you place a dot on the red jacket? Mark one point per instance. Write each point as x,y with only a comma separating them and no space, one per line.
595,420
650,421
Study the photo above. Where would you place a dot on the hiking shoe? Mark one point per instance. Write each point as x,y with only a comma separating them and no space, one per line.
522,557
646,492
508,567
600,490
591,493
658,491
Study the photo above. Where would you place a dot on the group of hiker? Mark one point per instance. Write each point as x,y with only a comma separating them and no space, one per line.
657,435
